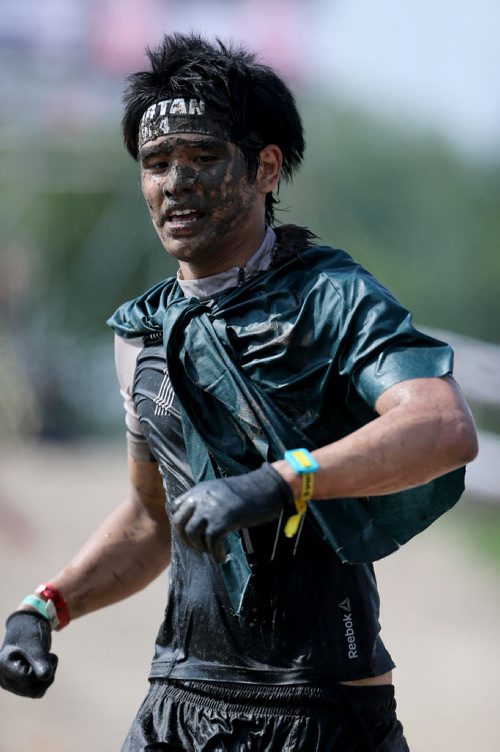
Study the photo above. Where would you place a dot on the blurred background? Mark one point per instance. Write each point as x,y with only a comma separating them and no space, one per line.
401,106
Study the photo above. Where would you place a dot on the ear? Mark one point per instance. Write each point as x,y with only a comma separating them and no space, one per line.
269,170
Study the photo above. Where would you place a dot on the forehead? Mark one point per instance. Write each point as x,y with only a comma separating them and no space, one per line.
179,141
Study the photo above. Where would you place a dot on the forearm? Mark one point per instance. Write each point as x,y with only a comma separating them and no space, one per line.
387,455
406,446
126,552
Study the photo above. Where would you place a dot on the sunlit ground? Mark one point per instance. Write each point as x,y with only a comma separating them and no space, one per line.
440,614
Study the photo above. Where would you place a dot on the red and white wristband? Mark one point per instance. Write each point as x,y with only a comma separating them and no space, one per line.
50,603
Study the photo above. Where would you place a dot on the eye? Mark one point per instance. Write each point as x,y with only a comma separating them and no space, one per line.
155,162
159,165
205,158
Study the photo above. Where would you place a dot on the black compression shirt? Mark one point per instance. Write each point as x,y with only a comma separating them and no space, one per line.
307,617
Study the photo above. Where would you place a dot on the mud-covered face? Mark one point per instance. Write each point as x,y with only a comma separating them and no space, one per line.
202,205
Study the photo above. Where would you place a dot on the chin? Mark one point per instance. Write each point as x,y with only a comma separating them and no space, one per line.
182,250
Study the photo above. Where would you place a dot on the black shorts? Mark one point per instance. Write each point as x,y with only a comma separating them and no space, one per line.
209,717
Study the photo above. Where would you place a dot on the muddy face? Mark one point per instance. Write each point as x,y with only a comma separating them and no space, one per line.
201,203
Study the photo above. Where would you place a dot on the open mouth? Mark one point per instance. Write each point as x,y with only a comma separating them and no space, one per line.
183,217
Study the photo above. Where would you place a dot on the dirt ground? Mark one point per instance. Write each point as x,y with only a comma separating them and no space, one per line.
440,618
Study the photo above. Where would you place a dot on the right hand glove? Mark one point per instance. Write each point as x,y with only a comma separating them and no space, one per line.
212,508
26,666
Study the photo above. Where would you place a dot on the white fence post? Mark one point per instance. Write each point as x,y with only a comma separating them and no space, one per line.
477,370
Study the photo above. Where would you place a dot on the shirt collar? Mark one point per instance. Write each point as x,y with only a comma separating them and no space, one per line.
207,287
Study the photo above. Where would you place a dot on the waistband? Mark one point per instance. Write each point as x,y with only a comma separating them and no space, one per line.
296,699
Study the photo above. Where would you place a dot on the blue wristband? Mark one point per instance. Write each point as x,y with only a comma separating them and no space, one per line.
305,465
301,460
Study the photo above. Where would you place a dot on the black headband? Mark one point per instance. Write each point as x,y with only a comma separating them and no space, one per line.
189,115
180,115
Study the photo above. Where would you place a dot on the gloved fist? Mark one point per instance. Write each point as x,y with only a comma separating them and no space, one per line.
210,510
26,666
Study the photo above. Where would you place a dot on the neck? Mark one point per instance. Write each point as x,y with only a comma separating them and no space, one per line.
237,255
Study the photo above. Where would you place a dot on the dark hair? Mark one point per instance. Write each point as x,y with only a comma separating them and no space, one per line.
249,96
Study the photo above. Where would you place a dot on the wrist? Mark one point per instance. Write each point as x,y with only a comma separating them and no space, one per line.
29,609
289,475
56,603
48,603
304,466
45,609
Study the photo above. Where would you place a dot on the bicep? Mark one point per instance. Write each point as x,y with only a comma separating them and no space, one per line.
434,394
436,404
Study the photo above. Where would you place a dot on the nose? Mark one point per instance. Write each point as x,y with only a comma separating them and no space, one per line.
178,179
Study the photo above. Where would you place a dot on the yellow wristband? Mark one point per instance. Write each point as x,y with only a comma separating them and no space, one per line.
303,463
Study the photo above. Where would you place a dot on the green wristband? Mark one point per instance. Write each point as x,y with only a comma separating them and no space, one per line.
44,608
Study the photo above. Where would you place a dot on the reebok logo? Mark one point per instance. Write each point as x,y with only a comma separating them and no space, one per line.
352,649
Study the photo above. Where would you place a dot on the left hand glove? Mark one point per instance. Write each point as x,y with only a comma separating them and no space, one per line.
213,508
27,666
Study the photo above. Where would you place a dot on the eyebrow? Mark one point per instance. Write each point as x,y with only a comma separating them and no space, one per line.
167,147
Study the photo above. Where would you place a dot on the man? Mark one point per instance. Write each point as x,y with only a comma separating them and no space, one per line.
265,346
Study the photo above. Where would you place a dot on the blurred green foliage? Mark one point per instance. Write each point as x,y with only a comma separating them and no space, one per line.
74,207
77,241
422,218
477,527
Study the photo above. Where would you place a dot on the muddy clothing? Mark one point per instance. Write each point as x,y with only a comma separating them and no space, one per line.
295,356
320,340
202,717
275,640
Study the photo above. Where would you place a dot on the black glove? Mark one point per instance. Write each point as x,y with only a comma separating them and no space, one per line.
210,510
26,666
